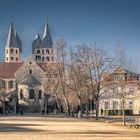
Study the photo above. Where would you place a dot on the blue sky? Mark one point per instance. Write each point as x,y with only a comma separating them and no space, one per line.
78,21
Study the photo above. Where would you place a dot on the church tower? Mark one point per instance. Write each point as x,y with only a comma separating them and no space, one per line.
13,47
42,50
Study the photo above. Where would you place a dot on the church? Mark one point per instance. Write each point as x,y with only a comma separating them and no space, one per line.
22,82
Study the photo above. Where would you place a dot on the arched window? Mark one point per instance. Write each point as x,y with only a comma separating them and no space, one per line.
48,58
38,51
31,94
21,94
42,51
47,51
30,71
40,94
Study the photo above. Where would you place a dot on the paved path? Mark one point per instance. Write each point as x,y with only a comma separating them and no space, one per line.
58,128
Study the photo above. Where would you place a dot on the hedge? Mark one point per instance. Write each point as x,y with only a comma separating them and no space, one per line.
117,112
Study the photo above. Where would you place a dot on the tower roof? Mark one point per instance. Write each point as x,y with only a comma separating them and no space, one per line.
19,43
13,40
47,40
37,42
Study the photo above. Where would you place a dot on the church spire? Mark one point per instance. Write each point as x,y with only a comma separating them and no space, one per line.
37,42
47,40
13,47
13,40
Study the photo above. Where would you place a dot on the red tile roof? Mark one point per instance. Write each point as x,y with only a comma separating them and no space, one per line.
8,69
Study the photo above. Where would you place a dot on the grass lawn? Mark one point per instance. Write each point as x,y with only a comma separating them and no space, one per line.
59,128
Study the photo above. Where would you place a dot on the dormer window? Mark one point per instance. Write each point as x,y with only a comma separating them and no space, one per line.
119,77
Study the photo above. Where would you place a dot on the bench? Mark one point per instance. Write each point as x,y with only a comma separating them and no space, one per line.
135,122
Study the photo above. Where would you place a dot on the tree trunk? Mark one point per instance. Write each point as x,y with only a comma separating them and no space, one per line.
97,109
123,113
80,109
67,106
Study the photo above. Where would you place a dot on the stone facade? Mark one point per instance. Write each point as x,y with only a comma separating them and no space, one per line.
28,68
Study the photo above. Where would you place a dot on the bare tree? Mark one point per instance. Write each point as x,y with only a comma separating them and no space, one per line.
94,62
121,57
60,58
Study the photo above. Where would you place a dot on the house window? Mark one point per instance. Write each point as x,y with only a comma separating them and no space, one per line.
107,105
7,51
3,84
16,59
119,77
7,58
31,94
52,58
115,105
40,94
11,84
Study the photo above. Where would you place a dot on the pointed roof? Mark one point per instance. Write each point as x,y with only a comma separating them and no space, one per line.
37,42
19,43
30,80
47,40
13,40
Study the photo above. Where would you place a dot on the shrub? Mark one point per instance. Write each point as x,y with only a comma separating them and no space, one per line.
117,112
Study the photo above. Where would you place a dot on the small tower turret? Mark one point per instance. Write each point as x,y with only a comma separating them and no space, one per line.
43,50
13,47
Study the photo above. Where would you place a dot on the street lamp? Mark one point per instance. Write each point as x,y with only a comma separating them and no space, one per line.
90,104
3,99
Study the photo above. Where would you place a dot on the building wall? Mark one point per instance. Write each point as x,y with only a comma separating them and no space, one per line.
27,67
31,105
6,87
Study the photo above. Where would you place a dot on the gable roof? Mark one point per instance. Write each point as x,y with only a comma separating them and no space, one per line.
7,70
120,70
30,80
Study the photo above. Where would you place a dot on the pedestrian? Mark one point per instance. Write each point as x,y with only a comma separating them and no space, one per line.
43,112
6,112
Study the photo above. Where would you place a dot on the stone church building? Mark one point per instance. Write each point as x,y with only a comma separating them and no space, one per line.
25,78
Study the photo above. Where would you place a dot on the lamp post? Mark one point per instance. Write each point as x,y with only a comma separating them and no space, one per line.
3,99
90,104
45,103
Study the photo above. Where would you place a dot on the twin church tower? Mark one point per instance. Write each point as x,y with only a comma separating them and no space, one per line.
42,49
